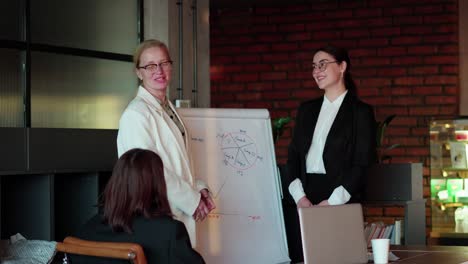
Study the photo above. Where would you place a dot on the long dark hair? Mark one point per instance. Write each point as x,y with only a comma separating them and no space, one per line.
340,55
136,187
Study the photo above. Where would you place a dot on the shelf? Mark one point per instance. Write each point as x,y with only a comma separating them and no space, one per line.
448,205
454,169
447,232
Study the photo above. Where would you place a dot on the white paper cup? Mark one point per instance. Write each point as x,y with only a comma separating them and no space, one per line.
380,248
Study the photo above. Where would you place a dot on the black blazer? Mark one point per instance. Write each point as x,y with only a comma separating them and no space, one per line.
349,149
164,240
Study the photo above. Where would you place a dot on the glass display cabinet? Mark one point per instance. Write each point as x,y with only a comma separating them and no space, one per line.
449,178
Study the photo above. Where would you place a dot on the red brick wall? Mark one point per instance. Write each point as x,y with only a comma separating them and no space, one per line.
404,55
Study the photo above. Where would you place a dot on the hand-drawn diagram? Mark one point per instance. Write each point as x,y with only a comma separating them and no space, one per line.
240,150
239,153
235,160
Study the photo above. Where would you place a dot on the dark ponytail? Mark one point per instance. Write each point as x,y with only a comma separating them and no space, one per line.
349,82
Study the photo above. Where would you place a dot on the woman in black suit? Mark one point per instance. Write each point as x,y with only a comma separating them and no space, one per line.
334,137
136,209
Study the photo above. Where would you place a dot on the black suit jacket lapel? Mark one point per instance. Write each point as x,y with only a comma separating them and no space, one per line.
342,120
310,123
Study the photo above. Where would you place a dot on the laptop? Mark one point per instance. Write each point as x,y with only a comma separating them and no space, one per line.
333,234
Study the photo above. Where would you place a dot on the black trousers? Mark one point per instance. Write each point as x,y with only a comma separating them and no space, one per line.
318,187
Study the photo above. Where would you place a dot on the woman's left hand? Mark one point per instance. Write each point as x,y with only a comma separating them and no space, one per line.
323,203
207,199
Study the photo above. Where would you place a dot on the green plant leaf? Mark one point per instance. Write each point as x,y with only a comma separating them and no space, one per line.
389,119
280,122
381,127
392,146
278,126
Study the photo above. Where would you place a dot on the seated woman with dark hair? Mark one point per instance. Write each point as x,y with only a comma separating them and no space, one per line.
136,209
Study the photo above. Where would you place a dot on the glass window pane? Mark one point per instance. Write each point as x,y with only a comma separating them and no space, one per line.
79,92
11,92
102,25
11,19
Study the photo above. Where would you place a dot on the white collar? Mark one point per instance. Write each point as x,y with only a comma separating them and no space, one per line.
337,102
142,92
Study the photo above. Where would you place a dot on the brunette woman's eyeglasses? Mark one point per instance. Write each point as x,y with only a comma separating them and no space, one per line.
321,66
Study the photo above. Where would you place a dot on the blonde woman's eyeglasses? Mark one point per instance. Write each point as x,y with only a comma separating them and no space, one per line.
165,65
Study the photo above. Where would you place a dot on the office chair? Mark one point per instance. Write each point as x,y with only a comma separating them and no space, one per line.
119,250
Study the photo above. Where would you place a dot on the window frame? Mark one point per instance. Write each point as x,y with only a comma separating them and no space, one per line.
28,46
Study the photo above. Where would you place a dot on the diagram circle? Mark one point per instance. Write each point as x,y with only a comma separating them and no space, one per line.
239,150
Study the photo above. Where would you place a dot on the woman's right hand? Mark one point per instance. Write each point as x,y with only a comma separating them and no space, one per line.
201,212
304,202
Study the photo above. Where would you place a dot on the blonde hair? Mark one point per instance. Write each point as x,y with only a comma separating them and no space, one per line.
149,43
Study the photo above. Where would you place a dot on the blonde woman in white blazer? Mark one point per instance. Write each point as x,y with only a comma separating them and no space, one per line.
151,122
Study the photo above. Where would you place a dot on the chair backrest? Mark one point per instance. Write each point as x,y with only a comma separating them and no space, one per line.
119,250
333,234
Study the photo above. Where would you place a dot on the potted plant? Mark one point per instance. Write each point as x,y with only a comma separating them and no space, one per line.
381,149
392,181
278,125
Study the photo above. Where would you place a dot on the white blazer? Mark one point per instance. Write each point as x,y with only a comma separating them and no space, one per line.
144,124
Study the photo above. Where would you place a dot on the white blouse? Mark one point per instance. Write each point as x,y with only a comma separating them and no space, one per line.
327,115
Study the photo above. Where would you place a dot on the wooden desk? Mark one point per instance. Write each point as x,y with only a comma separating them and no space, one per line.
430,254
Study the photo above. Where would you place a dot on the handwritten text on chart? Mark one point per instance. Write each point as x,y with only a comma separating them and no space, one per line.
252,218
